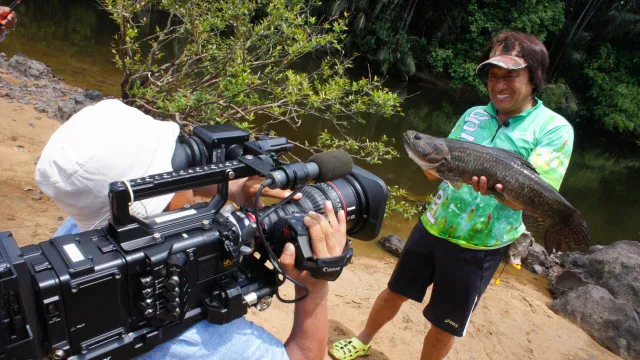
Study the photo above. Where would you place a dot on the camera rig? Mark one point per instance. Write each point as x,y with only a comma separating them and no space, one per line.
118,291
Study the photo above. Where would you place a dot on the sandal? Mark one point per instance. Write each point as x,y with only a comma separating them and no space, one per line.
349,349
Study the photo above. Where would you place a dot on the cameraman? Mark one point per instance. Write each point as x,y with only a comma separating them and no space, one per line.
111,141
9,23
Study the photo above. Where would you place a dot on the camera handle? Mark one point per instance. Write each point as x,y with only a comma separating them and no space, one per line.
291,229
132,232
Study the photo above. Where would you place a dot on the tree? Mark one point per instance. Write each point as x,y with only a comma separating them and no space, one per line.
597,55
456,52
224,61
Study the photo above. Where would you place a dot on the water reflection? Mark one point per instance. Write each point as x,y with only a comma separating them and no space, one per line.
74,37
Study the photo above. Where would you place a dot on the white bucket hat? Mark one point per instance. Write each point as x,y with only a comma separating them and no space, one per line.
102,143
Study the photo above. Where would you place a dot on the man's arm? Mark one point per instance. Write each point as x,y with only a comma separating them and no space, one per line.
309,335
243,191
552,154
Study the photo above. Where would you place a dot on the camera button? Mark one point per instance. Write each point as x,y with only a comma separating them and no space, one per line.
173,306
172,295
173,316
172,283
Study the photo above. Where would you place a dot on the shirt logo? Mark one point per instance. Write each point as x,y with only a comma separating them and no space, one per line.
448,321
472,123
524,134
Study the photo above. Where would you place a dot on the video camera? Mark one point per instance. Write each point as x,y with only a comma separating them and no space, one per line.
117,292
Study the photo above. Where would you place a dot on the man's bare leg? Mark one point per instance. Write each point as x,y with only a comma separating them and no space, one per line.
436,344
384,309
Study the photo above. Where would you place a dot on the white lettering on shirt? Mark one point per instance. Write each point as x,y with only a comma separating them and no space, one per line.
472,123
434,205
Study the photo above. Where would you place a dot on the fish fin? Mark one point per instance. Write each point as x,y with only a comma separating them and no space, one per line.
568,236
455,184
534,224
524,162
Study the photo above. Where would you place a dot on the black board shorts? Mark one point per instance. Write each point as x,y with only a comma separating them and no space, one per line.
459,276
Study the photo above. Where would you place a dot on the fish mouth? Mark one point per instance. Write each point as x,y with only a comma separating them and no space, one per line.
408,137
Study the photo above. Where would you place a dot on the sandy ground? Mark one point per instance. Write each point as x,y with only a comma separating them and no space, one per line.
511,322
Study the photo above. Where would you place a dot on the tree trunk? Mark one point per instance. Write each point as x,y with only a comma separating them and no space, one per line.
407,19
567,42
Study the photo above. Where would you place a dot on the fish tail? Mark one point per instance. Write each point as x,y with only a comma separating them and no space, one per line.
569,235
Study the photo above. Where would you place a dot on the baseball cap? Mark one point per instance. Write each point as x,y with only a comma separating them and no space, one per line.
505,56
102,143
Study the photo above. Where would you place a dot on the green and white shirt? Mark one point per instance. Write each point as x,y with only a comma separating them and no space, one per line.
472,220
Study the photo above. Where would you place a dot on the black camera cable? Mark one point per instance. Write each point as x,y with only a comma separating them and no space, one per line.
272,256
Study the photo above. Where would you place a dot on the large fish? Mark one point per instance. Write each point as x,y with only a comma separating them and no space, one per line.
458,161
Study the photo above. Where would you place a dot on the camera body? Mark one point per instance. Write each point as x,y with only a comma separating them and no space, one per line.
117,292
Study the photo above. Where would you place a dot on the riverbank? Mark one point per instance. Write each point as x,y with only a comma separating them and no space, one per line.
512,320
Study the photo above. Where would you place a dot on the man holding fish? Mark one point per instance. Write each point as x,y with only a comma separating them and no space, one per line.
514,149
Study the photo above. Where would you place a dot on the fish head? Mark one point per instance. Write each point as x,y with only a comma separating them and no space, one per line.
427,151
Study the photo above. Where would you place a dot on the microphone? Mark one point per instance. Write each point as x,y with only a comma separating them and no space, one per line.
325,166
506,123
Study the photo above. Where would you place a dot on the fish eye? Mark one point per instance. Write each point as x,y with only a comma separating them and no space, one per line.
417,136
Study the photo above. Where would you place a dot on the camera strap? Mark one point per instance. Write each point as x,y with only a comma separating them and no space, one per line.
291,228
329,268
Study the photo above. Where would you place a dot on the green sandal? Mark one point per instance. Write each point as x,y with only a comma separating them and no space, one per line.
349,349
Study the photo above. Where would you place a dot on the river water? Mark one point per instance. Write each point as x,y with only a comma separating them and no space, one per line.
74,38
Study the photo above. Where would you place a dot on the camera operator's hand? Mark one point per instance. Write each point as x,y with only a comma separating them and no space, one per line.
328,238
309,335
243,191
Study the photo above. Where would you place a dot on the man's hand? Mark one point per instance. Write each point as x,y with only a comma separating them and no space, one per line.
479,184
328,238
310,331
244,191
11,20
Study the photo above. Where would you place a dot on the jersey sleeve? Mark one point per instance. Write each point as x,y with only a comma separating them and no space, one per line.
551,155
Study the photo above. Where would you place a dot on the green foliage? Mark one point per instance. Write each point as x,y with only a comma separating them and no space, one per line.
378,150
560,98
378,29
597,57
457,53
614,92
399,202
224,61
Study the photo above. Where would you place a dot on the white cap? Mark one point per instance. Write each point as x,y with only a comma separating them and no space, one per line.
102,143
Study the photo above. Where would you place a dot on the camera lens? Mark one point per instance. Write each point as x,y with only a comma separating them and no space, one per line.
362,195
345,194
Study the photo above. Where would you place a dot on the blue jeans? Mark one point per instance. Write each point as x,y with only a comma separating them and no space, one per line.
240,339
